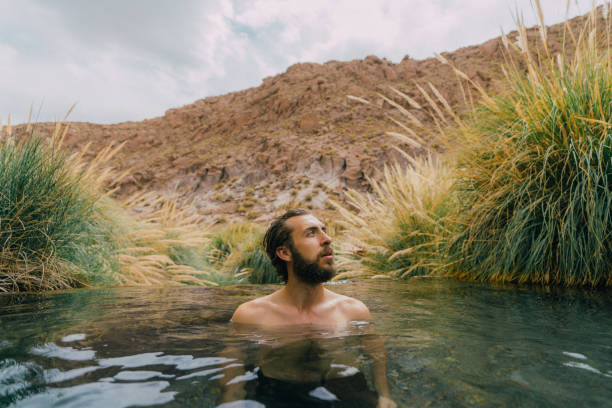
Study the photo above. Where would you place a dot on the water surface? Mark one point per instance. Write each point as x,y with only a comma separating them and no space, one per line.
448,344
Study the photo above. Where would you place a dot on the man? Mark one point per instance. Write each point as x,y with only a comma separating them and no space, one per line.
300,250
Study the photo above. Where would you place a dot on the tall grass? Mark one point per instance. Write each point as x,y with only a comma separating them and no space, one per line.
163,247
59,228
51,234
536,179
532,201
399,229
235,255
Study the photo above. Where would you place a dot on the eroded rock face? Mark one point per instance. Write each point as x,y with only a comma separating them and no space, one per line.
295,139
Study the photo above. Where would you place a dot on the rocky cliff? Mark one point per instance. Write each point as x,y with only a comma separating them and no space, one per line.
295,139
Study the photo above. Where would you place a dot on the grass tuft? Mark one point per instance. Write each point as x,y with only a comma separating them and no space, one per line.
166,246
536,180
532,200
52,234
235,254
59,228
398,230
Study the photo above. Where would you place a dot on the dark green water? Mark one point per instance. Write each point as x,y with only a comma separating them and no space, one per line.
448,344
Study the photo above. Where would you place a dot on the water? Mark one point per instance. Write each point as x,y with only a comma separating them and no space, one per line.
448,344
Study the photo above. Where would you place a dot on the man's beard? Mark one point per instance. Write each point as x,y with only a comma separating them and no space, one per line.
311,272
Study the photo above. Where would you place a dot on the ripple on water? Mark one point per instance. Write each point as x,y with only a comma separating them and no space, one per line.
448,343
181,362
575,355
585,366
65,353
16,377
242,404
210,371
55,375
140,375
102,395
134,387
73,337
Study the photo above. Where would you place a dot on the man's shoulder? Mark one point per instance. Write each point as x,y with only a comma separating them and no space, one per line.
352,308
251,312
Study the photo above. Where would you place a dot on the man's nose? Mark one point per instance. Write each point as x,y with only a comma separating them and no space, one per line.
325,239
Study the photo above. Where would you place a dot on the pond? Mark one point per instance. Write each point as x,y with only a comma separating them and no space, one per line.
448,344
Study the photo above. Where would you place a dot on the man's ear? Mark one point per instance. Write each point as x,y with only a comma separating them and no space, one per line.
283,253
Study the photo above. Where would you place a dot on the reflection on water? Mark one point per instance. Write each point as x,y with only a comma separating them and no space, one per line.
448,344
305,366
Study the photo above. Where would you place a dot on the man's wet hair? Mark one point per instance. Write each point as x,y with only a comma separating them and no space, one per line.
278,235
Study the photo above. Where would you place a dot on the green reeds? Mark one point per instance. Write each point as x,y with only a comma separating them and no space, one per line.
163,247
60,229
51,234
236,255
536,178
398,231
532,201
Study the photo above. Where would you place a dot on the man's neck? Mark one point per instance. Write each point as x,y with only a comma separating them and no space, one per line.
302,295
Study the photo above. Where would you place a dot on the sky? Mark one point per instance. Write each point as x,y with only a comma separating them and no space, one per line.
129,60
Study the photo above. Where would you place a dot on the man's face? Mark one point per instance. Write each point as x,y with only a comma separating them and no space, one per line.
311,253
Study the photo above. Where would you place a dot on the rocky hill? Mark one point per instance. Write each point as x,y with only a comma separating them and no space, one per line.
295,139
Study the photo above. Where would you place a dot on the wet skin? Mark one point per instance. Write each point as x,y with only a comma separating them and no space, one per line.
307,354
302,303
299,302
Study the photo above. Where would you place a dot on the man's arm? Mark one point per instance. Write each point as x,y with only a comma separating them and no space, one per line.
234,391
246,313
374,348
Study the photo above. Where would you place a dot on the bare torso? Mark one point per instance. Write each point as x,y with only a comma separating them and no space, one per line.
281,309
309,359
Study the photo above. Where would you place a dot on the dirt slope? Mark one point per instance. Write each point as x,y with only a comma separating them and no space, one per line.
296,138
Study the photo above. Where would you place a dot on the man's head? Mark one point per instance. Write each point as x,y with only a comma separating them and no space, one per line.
297,238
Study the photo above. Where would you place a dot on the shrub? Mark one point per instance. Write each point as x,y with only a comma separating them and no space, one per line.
59,228
533,197
536,179
52,234
163,247
256,266
399,229
236,255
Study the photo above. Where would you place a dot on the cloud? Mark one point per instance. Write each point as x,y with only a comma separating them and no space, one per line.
133,60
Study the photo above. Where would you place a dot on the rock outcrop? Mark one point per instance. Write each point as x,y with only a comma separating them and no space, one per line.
295,139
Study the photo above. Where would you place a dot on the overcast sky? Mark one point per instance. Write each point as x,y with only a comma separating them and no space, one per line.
121,60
